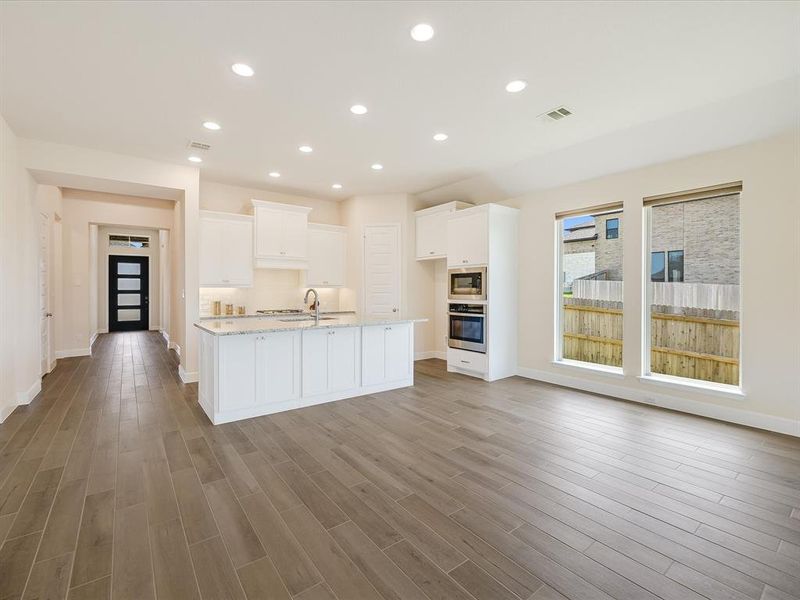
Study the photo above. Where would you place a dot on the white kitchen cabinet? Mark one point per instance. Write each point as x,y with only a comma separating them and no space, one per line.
327,248
226,249
387,353
278,367
330,360
281,235
467,238
258,370
431,228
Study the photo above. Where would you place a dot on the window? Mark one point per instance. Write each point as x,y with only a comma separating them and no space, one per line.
589,294
128,241
676,266
691,329
657,271
612,229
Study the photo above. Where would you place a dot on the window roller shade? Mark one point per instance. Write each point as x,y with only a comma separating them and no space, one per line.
713,191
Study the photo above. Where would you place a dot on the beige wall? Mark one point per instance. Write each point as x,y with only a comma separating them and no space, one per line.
417,277
770,221
19,291
236,199
79,210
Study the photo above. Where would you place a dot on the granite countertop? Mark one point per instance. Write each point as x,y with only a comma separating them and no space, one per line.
243,325
273,316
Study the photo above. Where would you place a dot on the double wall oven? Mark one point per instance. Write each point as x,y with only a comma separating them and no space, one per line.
467,327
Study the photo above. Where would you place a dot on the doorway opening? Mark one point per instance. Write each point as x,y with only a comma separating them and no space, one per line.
128,293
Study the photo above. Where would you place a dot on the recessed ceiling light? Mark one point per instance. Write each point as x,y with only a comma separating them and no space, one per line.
440,137
377,167
516,86
242,70
305,149
195,159
337,186
358,109
212,125
422,32
274,174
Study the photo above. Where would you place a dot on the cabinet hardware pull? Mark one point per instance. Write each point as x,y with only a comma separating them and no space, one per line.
465,361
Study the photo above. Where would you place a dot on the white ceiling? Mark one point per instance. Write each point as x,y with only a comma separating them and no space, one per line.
140,77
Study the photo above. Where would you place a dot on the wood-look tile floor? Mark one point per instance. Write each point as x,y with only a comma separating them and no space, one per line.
114,484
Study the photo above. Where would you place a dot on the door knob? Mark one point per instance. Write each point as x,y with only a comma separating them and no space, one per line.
394,310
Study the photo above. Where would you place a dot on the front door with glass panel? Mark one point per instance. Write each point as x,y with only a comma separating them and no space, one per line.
128,285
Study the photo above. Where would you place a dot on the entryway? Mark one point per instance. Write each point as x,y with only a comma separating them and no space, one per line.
128,293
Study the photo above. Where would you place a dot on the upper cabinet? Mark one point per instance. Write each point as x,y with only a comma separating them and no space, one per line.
226,249
468,238
327,247
431,227
281,235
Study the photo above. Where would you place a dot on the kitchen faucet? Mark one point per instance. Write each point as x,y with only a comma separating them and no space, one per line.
316,304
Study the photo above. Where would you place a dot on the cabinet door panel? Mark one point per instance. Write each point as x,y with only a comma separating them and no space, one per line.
343,347
398,352
468,240
279,361
431,235
295,235
373,354
269,242
326,258
210,252
237,263
237,372
315,362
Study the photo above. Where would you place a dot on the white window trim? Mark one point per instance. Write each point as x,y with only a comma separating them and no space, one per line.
709,387
718,389
558,332
587,366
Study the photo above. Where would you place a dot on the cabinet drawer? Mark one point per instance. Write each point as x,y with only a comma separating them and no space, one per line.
467,361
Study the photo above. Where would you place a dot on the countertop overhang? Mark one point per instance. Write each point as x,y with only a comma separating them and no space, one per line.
247,325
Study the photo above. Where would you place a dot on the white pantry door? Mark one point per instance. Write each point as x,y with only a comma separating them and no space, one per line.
382,271
44,291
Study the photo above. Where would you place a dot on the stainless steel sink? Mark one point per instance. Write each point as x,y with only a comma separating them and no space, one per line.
294,319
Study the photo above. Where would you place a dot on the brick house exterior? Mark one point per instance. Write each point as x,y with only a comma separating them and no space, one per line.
706,232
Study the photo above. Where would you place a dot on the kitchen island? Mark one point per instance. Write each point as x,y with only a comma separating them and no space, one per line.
257,366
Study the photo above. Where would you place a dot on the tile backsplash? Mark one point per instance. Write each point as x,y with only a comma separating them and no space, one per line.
272,288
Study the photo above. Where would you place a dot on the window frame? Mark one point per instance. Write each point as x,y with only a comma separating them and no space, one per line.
646,374
668,271
558,306
615,229
665,266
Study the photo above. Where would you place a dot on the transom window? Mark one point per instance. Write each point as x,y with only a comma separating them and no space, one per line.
128,241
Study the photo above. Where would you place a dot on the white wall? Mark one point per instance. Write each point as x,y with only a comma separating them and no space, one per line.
108,172
417,277
81,209
770,221
19,292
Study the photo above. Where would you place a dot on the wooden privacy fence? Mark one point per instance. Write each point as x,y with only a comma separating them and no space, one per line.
712,296
682,345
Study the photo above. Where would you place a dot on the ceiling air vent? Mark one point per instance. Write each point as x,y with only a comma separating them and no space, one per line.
199,146
557,113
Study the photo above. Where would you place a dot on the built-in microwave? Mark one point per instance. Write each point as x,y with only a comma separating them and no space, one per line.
467,327
466,283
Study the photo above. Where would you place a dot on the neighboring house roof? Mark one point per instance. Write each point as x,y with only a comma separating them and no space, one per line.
580,233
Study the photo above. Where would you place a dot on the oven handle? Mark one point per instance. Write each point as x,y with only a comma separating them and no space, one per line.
481,315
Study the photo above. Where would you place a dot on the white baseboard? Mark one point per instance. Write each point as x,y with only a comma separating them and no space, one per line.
695,407
187,376
73,352
4,412
174,346
426,354
28,395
